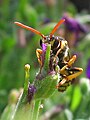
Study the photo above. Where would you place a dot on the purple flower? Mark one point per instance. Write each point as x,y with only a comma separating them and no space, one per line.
88,69
44,46
73,25
31,92
72,30
46,21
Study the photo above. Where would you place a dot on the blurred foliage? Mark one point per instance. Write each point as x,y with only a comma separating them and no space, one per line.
42,15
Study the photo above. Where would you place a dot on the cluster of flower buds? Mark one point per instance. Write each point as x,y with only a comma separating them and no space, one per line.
46,79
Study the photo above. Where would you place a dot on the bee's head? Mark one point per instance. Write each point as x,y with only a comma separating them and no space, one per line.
47,40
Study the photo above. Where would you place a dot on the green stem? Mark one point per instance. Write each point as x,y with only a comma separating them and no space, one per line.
47,58
22,106
35,112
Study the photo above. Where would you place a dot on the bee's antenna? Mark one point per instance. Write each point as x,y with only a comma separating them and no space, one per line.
31,29
56,27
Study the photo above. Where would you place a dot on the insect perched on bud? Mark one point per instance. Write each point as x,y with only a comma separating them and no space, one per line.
59,55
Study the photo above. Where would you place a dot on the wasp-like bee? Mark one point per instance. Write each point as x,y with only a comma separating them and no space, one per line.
60,56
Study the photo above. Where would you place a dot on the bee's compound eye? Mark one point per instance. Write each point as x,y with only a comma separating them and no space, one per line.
41,42
53,37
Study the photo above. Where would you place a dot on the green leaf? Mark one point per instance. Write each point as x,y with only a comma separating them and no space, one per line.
76,99
31,15
46,87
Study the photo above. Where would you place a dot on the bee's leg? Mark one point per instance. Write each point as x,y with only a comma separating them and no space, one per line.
75,73
72,60
62,86
69,63
38,53
61,83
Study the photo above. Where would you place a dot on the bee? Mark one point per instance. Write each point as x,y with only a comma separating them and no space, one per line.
60,55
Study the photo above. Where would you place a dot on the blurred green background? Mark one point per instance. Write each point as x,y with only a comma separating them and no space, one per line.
18,47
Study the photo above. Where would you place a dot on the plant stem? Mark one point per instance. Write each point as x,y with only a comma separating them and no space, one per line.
47,58
35,112
22,104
